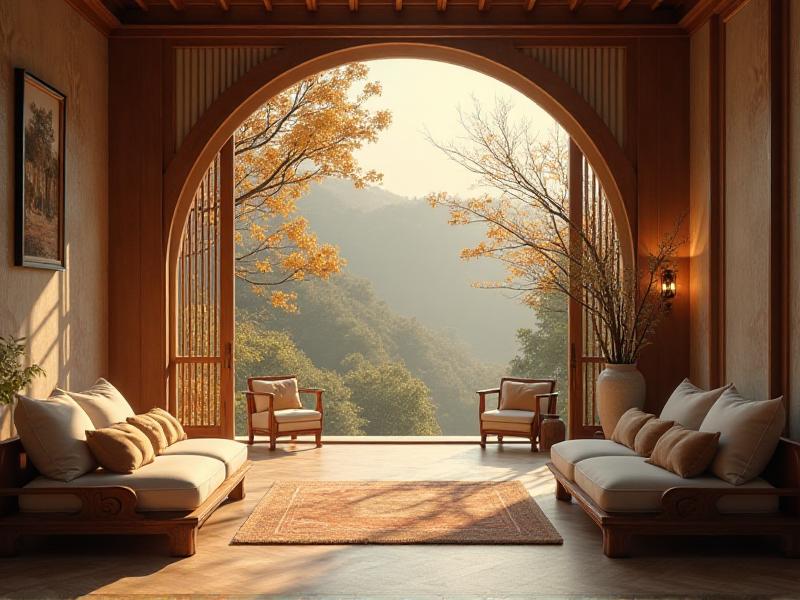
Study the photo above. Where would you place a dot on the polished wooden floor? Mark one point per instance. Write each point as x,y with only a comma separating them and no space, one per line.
139,566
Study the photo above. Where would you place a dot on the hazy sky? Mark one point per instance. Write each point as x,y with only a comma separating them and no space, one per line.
422,95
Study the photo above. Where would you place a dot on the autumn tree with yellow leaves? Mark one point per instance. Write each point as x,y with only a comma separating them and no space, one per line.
525,209
306,133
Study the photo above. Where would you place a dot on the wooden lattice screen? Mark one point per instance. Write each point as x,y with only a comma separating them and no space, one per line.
202,364
588,205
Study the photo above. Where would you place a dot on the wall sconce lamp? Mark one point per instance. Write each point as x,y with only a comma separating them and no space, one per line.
669,287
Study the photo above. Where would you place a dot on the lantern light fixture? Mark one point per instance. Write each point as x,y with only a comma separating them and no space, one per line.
669,287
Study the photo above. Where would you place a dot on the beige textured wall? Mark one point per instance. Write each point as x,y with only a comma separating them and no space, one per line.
64,314
794,190
747,199
699,198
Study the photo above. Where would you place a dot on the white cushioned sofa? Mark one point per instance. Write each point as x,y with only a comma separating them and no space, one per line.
625,495
50,482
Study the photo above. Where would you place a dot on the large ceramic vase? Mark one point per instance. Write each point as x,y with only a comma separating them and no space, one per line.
7,429
617,389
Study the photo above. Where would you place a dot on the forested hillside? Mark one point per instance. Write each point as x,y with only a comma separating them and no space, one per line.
346,339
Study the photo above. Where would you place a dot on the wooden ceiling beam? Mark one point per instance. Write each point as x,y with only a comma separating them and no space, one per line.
441,5
655,4
177,4
574,4
224,4
353,5
483,5
529,4
311,5
398,5
143,5
96,13
268,5
623,4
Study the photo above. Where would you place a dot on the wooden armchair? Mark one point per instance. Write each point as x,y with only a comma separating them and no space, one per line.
274,409
519,410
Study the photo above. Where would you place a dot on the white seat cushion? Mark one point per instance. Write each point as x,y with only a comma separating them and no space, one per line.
565,455
170,483
260,420
512,421
233,454
628,484
293,415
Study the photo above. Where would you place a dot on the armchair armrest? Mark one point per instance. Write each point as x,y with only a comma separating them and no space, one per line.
318,392
551,406
688,503
251,400
100,502
488,391
482,399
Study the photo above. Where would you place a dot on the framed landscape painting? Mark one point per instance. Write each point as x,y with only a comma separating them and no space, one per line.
39,174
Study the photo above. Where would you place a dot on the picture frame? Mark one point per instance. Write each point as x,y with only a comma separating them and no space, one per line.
39,168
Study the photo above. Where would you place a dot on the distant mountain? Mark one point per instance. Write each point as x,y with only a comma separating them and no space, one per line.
411,255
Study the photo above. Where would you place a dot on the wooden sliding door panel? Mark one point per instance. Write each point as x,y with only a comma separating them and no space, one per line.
202,363
589,209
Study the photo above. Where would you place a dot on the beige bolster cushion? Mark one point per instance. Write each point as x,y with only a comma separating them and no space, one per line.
152,429
685,452
121,448
171,426
649,435
629,424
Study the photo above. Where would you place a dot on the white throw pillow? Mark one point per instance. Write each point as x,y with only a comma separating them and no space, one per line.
285,390
750,431
53,432
519,395
688,405
103,403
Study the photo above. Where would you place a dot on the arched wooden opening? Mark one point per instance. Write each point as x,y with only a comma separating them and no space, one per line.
597,147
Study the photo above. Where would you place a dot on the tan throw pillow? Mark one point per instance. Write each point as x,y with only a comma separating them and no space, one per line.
285,390
649,435
103,403
53,433
518,395
685,452
688,405
168,425
152,429
629,424
750,431
121,448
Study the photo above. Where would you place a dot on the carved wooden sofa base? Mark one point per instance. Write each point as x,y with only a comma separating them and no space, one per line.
104,509
694,511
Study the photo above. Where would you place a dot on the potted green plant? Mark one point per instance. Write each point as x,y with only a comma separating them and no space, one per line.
13,377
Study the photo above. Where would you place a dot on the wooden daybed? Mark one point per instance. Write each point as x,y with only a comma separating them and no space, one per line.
694,510
104,509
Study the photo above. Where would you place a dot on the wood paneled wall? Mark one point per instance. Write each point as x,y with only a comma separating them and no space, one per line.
745,253
597,73
145,134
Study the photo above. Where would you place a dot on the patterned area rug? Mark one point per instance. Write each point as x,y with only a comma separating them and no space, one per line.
397,512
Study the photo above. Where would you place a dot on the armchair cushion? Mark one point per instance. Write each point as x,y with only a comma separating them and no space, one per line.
518,395
285,391
629,484
104,404
508,416
260,420
293,415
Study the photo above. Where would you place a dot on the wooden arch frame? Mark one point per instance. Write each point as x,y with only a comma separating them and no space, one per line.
499,59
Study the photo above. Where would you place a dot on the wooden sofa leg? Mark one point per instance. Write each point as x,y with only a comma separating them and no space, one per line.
562,493
483,442
8,544
237,493
318,439
273,442
615,543
251,439
183,541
